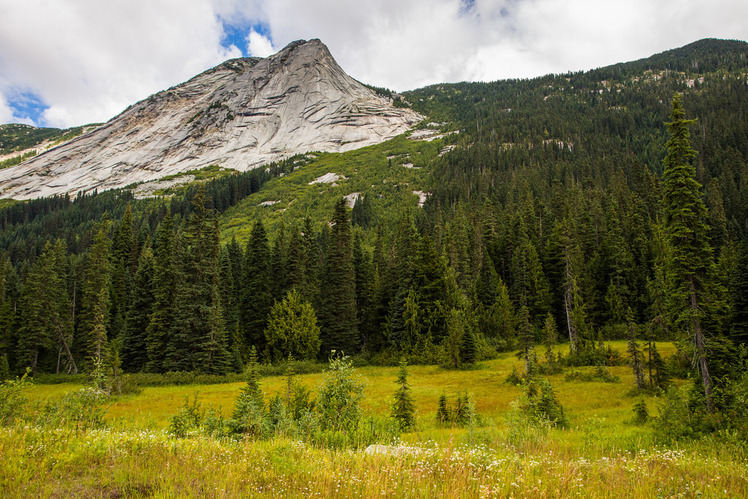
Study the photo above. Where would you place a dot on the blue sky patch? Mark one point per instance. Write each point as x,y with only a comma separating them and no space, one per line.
27,105
236,34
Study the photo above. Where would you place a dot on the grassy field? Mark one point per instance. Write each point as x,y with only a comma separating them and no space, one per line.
601,454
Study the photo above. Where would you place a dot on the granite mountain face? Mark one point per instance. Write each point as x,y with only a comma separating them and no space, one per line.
240,115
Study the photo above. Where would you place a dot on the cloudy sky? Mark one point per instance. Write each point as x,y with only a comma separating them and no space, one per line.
70,62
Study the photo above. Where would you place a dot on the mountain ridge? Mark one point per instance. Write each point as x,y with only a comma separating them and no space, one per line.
241,114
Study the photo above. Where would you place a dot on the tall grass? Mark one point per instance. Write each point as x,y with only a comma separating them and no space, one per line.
602,453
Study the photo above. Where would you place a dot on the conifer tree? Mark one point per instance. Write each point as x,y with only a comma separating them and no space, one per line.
443,414
468,348
249,410
46,324
526,341
337,311
403,409
689,258
429,284
124,246
550,336
636,360
739,297
658,377
7,305
198,335
257,293
134,352
365,291
158,331
94,316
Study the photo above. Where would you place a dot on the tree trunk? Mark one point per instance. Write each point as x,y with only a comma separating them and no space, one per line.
567,307
698,339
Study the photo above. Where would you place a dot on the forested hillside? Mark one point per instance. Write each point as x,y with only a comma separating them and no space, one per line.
549,217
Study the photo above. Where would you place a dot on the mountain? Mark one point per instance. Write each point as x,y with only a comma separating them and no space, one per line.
239,115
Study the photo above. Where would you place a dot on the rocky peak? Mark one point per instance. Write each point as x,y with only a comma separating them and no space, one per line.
240,114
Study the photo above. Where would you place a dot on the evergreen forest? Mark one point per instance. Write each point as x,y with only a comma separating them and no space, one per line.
578,208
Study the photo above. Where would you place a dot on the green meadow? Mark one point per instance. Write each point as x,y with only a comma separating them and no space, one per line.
602,453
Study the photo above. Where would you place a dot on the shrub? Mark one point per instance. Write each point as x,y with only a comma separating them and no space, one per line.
641,415
462,415
338,402
12,402
540,406
81,410
600,374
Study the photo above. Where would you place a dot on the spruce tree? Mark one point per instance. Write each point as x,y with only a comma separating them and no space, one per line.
550,337
526,341
443,413
258,288
469,348
158,331
403,409
365,291
636,358
739,297
134,352
95,302
198,334
429,284
337,311
689,258
46,324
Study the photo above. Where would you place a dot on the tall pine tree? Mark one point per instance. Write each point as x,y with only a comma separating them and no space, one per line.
337,312
690,256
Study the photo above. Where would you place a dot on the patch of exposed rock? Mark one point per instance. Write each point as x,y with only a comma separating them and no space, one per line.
241,114
327,178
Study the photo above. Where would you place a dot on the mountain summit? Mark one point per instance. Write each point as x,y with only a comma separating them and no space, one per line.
241,114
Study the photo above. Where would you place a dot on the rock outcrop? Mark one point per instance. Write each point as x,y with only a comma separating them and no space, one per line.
241,114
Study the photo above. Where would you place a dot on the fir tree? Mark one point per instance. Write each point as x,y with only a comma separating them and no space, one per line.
403,409
739,297
550,337
94,317
46,324
526,341
198,335
249,410
365,291
257,293
690,256
469,348
164,283
443,414
337,311
635,354
134,339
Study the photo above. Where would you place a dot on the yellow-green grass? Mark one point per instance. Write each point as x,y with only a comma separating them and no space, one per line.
48,463
603,404
600,455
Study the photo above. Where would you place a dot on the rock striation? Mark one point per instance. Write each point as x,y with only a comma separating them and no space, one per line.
241,114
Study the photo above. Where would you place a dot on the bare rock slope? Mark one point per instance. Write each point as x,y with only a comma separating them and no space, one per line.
240,115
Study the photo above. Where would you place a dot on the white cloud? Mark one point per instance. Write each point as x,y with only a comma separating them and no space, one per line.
6,113
89,59
407,44
259,45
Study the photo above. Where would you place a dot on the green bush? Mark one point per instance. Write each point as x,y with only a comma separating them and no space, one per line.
12,401
80,410
339,398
